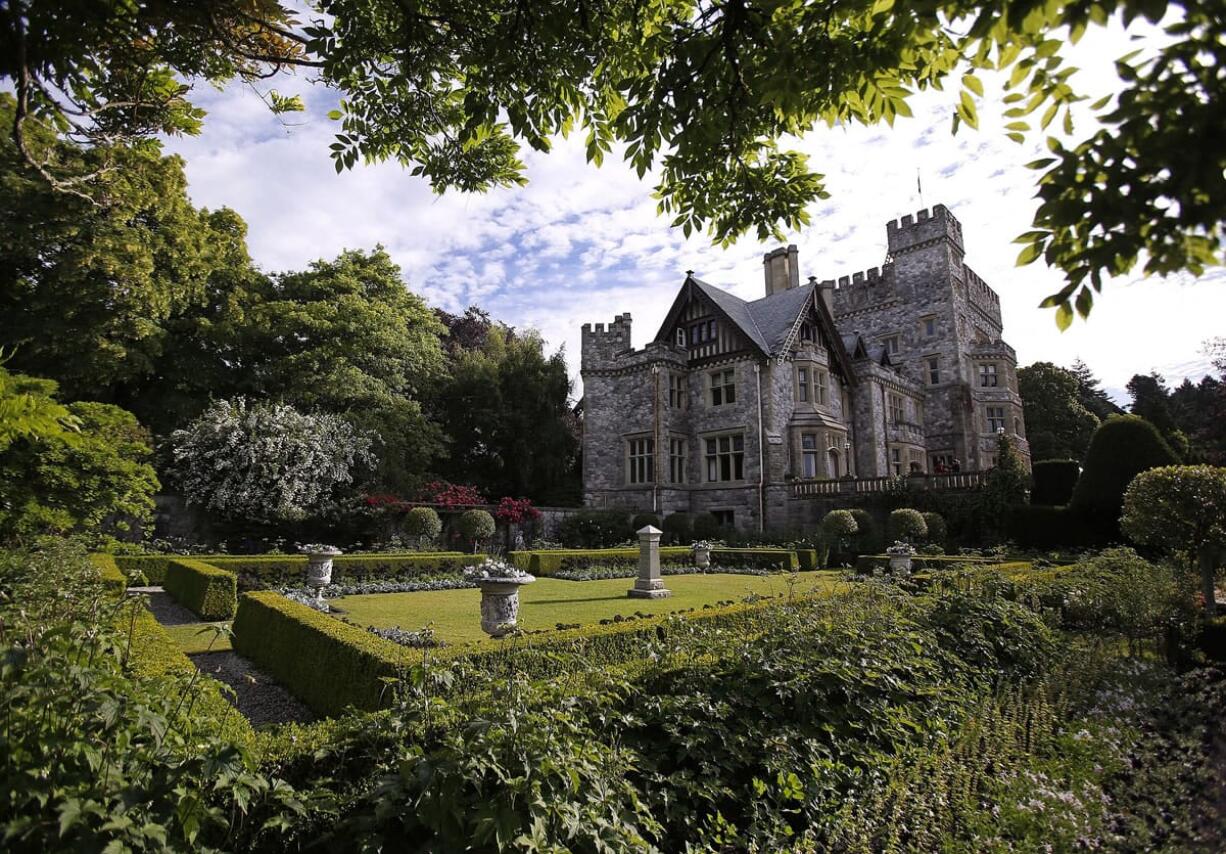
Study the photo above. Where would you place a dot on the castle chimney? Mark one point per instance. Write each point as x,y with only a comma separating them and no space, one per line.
781,268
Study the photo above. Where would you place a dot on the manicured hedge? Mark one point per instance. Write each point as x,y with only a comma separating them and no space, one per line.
114,580
779,560
1036,527
207,590
1054,481
327,664
152,652
290,569
865,564
299,646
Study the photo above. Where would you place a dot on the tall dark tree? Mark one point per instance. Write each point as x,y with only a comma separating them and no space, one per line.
1091,393
1151,399
507,411
1058,426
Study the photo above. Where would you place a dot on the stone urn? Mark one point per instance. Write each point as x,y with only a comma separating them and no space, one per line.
900,558
319,567
702,555
499,584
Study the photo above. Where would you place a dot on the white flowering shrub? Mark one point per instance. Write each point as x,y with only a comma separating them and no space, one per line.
266,461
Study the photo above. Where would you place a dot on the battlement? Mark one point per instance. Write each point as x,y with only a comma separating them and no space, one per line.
599,345
909,232
863,288
980,293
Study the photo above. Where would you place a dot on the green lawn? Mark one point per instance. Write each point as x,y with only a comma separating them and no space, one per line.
456,614
191,639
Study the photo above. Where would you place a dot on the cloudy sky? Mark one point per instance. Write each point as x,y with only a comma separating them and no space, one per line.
581,244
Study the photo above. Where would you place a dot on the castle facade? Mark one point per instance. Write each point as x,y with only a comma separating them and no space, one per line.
733,406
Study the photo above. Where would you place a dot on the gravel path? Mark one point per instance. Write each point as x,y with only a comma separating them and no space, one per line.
257,697
167,611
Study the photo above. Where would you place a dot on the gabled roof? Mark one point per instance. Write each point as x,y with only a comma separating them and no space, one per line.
768,323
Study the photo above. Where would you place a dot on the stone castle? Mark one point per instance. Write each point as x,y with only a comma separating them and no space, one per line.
736,407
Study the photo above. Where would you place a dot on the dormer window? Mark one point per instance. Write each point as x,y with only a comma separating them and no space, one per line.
680,337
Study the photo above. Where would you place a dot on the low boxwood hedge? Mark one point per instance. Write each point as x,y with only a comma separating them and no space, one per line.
295,644
112,579
203,588
865,564
549,562
152,566
290,569
780,560
152,652
327,664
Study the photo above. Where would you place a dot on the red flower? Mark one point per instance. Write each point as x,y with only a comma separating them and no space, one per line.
516,510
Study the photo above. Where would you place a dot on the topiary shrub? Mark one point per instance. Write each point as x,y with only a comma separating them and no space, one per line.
1054,481
476,526
1181,509
907,525
424,524
837,528
706,526
642,520
1122,447
867,533
936,528
678,528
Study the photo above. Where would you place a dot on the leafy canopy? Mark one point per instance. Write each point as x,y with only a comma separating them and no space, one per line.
1058,426
698,92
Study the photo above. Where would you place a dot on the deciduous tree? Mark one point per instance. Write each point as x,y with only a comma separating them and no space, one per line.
1057,425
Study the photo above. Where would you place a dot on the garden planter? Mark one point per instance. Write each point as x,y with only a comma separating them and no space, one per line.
319,568
500,603
702,557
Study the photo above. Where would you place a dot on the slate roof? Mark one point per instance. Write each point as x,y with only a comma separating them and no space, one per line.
767,322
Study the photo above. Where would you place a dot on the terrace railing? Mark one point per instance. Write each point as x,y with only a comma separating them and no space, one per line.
950,482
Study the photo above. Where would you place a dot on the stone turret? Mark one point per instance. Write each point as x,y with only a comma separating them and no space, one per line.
912,232
599,346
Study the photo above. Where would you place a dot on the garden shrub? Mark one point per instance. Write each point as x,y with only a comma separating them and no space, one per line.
936,528
678,528
595,529
642,520
775,560
476,526
1054,481
907,525
807,559
706,526
257,571
1037,527
424,524
867,534
837,529
152,566
295,645
114,580
865,564
1122,447
208,591
544,564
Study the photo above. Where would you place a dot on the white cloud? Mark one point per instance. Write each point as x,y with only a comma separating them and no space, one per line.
581,244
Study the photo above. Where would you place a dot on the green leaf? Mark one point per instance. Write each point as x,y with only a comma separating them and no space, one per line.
1064,316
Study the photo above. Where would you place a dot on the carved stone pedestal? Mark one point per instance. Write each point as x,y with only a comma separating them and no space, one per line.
649,584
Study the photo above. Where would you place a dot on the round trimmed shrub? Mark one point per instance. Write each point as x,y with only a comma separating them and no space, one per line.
423,523
907,525
706,526
936,528
642,520
839,523
1122,447
678,528
476,526
866,526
